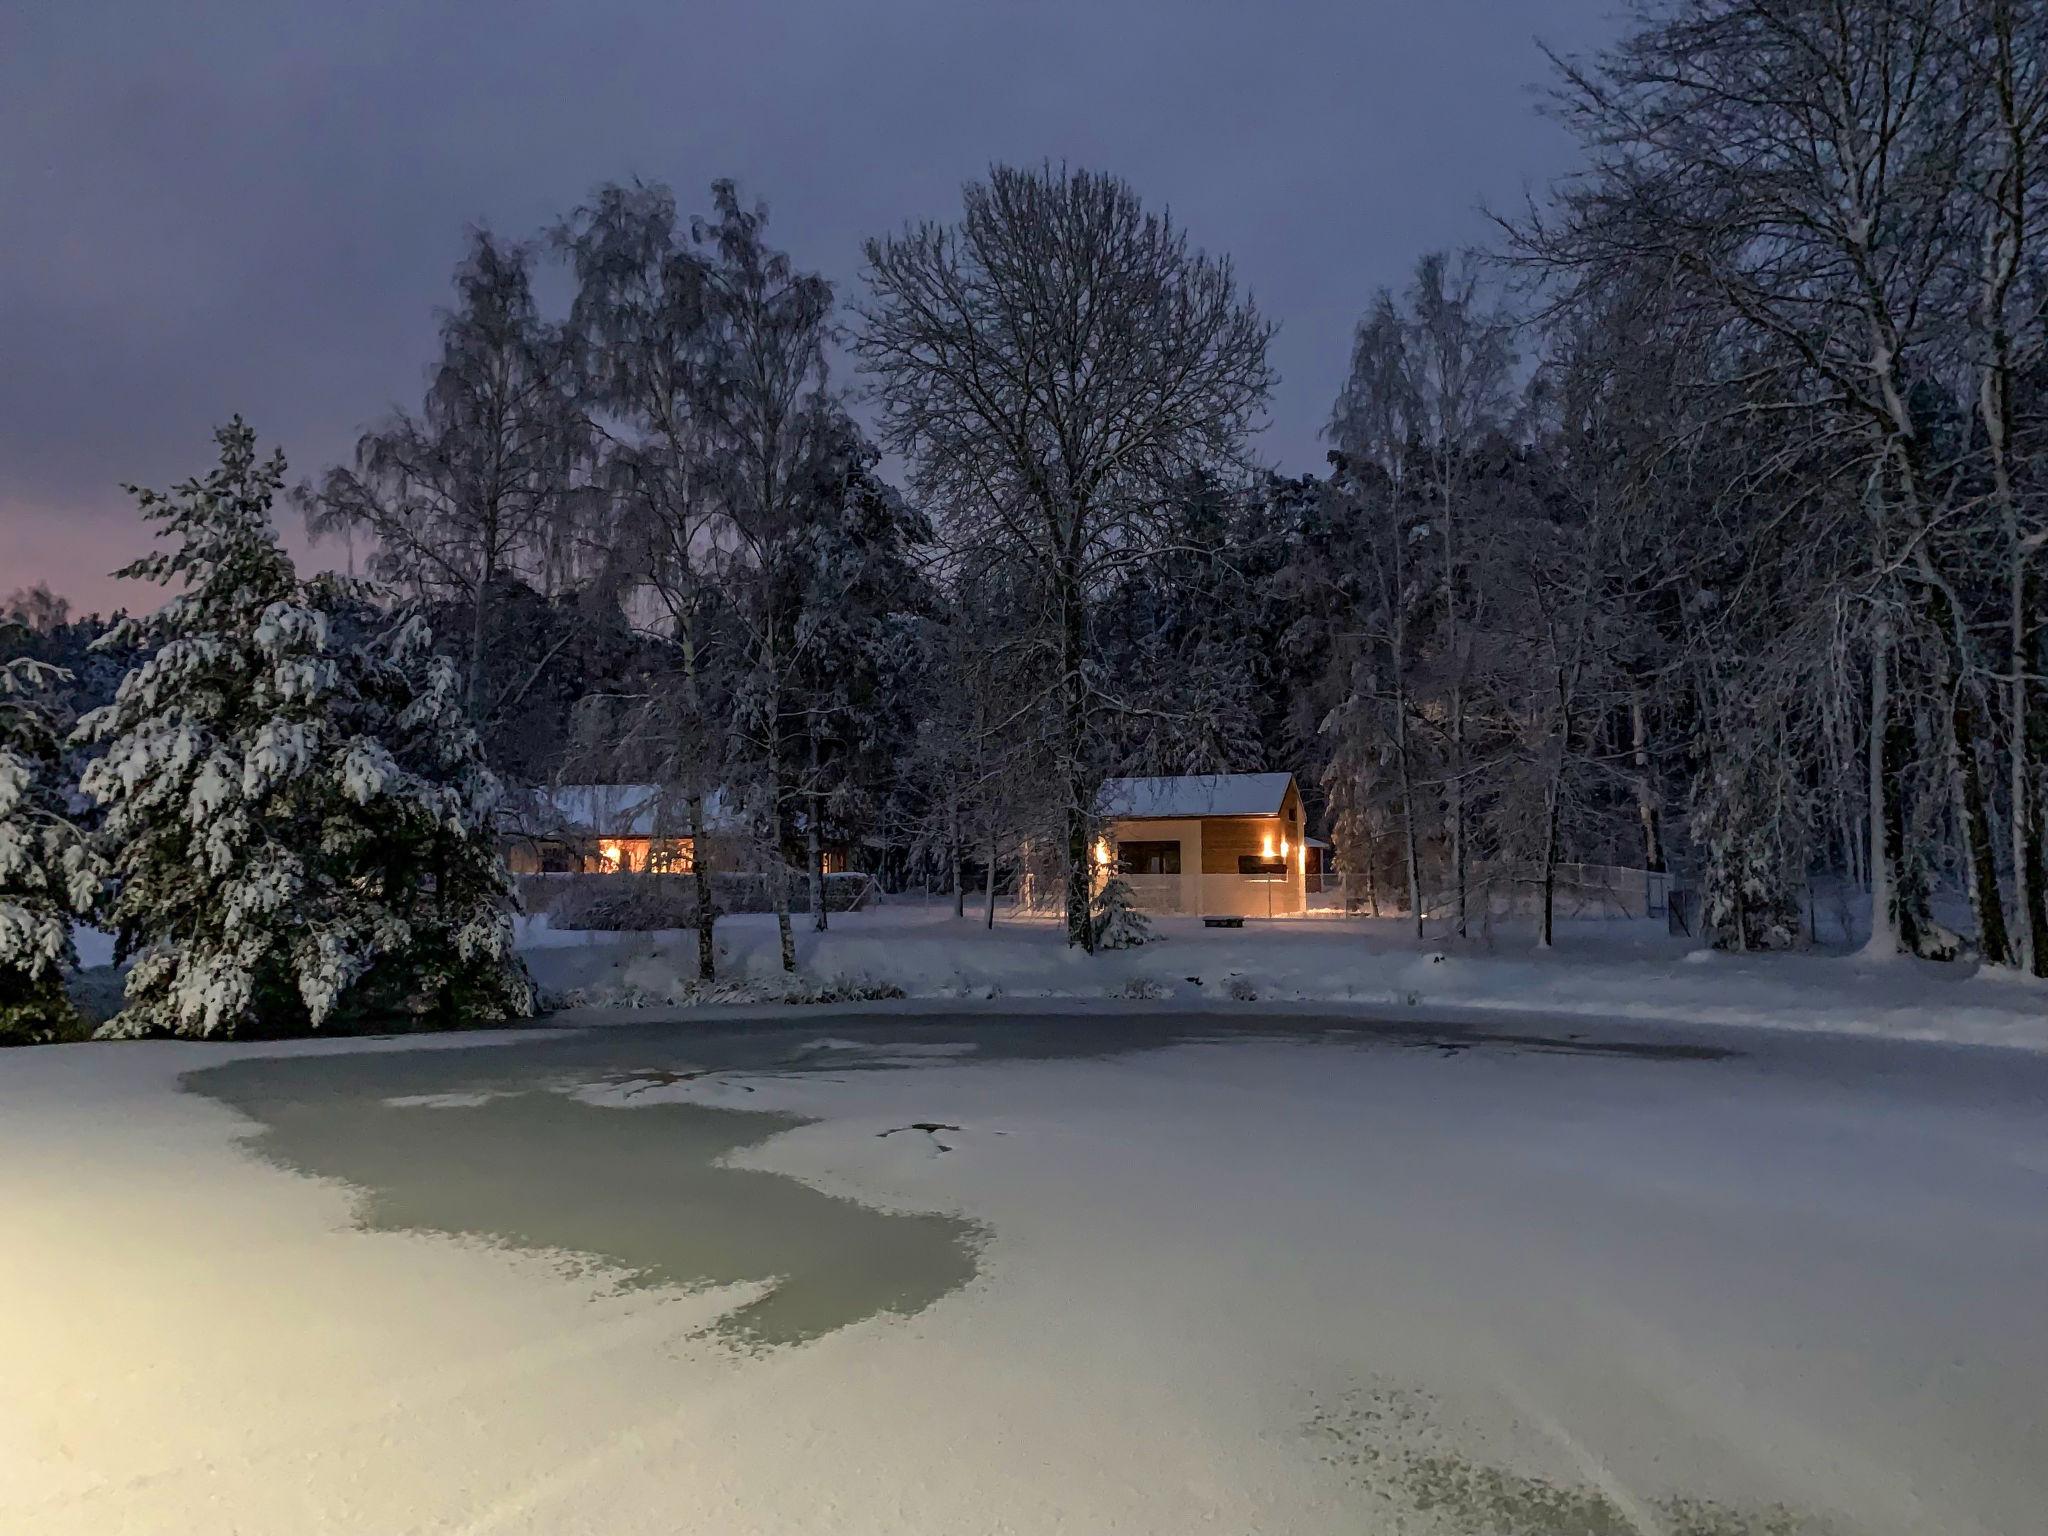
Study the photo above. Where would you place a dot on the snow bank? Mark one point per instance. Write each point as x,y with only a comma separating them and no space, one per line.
1616,970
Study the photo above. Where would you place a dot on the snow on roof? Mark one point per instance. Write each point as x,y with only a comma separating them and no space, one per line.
615,810
1196,794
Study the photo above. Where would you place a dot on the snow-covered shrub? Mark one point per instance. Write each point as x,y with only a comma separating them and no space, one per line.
688,992
1748,820
48,873
625,903
296,810
1118,922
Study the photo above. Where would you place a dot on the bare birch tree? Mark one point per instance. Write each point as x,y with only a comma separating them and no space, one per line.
474,489
1049,364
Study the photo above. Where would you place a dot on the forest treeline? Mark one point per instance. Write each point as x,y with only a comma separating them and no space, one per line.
1695,525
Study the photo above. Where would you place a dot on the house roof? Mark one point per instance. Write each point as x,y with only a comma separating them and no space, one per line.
1196,794
614,810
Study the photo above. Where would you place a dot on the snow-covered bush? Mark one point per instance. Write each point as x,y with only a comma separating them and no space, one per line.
1748,820
624,903
48,873
296,810
1118,922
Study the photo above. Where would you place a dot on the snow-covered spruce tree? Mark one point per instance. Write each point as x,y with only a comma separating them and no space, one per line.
207,744
48,873
434,902
1118,922
293,814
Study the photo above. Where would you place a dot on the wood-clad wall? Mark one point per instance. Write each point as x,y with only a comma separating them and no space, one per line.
1226,838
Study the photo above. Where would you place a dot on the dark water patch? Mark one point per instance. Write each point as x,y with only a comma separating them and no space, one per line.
1450,1043
515,1161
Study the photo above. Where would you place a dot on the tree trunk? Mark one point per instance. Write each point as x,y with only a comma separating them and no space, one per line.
778,873
988,883
1884,925
1646,795
2028,904
1410,857
814,848
700,880
1966,775
2006,256
1992,940
1453,642
957,851
700,847
1073,748
1457,788
477,634
814,842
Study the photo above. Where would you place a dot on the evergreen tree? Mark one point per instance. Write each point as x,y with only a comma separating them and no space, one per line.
433,902
297,814
48,872
854,593
1118,922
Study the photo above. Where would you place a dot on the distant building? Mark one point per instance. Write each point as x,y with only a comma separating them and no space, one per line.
1225,844
626,829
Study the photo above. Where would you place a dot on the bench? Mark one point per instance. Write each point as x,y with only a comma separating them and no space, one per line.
1220,921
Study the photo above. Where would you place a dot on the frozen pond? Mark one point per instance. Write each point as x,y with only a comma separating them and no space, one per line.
522,1145
963,1272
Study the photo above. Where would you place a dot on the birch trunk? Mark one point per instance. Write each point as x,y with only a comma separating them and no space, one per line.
814,849
778,873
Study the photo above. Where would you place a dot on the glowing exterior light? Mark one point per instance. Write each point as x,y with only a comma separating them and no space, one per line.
1102,851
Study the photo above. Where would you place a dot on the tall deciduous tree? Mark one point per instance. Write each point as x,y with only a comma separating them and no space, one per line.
476,487
771,426
1050,363
643,338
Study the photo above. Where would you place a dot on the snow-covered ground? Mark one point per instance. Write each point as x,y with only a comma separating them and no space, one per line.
1603,969
1193,1271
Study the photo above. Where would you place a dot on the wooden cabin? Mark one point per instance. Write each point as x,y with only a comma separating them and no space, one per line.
1222,844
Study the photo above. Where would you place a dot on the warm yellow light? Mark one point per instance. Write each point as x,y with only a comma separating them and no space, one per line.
610,852
1102,850
1269,845
1283,847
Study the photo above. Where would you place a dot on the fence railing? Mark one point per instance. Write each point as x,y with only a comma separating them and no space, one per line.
1506,889
1186,895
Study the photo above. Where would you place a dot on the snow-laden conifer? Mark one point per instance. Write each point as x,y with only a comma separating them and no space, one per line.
48,873
295,810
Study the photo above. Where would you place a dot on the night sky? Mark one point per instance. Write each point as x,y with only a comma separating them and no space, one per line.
255,206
